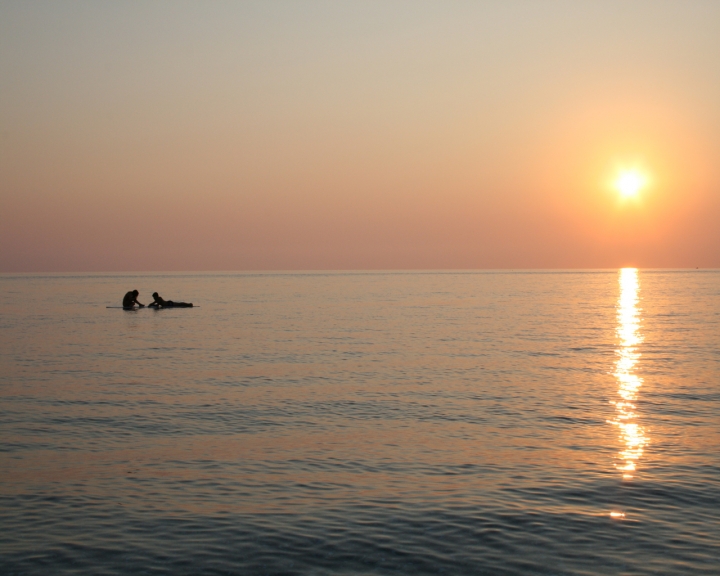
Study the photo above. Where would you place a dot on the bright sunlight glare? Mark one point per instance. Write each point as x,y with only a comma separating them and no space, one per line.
630,182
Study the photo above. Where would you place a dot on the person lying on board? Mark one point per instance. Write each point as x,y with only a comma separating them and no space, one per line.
130,300
159,302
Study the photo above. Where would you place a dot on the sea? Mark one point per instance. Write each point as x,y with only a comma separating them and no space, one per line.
386,423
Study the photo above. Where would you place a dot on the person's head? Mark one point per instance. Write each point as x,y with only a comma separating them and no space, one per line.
135,293
156,295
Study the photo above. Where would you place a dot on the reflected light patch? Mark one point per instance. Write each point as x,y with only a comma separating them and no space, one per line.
632,435
617,514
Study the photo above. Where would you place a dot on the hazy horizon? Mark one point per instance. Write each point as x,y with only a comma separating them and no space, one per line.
281,136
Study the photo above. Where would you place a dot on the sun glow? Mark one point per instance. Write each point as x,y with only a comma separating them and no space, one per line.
630,182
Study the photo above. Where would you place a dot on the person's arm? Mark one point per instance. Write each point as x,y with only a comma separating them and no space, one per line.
138,303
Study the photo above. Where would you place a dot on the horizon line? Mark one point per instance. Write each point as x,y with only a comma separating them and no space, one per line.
353,271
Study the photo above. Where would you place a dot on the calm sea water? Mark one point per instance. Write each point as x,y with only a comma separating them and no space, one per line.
367,423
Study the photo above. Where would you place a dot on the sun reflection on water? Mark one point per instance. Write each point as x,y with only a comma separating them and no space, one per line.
632,435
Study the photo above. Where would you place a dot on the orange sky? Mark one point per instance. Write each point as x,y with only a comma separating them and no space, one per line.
357,135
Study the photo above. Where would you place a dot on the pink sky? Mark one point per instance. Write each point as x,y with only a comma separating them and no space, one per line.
373,135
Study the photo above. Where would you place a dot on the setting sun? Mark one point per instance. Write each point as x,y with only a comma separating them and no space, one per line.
630,182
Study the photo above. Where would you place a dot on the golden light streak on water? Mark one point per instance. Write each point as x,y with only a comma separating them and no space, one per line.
632,434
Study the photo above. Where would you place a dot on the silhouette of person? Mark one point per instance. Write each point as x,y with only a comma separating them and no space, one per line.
130,300
159,302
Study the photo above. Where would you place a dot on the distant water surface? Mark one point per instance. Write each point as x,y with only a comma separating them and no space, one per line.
366,423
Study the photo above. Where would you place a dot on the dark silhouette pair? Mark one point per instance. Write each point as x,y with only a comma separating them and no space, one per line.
130,300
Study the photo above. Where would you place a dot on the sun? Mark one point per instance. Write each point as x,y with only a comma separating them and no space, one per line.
630,182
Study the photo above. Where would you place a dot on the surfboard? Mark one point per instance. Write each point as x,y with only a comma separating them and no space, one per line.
152,307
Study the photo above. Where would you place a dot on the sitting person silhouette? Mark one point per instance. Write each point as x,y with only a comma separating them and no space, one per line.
159,302
130,299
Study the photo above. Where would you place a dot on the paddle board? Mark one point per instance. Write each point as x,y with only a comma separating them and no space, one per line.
152,307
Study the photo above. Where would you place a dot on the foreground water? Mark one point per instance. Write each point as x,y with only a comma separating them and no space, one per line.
396,423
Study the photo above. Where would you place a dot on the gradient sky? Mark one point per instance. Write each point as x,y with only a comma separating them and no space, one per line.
357,135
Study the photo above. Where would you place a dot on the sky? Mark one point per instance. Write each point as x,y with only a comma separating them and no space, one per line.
337,135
